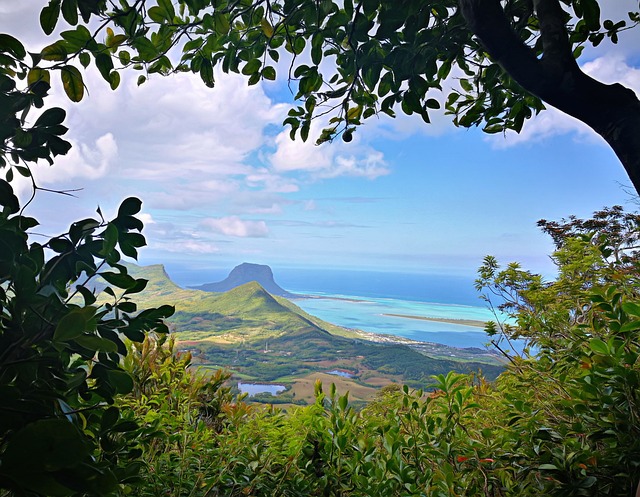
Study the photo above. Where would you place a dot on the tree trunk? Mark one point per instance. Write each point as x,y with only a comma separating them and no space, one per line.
612,111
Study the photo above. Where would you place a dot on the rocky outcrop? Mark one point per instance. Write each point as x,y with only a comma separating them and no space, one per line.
245,273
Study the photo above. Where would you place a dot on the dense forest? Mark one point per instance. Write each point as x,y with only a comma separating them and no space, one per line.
95,399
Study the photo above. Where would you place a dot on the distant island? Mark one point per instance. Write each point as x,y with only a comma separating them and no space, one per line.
246,273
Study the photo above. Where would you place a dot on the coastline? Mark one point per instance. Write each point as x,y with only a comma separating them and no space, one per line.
465,322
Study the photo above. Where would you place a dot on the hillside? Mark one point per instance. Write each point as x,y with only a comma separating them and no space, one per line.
262,337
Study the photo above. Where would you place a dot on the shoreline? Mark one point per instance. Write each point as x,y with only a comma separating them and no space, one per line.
326,297
465,322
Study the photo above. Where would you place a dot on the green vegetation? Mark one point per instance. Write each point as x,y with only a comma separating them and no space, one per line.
94,405
562,423
61,354
108,417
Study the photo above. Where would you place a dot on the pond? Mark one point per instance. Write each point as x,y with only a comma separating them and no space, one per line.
341,372
256,388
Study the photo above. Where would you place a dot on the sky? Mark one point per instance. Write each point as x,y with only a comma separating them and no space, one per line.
222,183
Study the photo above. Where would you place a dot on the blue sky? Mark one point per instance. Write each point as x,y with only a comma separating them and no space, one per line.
221,183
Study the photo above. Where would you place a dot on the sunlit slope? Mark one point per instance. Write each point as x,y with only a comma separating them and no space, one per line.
263,336
247,306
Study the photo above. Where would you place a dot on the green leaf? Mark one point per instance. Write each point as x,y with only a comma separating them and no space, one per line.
127,306
206,72
85,59
104,63
591,13
116,41
343,402
631,308
147,50
77,39
70,11
7,197
121,380
269,73
167,6
51,117
316,48
251,67
598,346
114,78
130,207
72,83
119,280
49,16
94,342
73,324
12,45
139,286
549,467
630,326
221,23
54,52
89,297
44,445
125,57
109,418
156,14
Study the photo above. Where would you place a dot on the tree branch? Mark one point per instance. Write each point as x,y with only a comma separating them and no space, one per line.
612,111
557,52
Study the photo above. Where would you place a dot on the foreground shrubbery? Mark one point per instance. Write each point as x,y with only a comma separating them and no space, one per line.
563,422
85,412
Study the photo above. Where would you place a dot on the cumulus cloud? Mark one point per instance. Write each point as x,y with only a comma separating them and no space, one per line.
329,160
234,226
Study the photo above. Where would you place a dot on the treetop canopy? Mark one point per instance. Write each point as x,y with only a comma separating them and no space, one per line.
490,64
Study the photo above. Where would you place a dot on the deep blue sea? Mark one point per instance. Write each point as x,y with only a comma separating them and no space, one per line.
360,299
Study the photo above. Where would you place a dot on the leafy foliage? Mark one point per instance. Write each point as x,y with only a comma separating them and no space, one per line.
60,365
382,55
82,412
180,414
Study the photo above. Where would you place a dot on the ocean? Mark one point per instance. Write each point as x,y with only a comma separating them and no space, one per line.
365,299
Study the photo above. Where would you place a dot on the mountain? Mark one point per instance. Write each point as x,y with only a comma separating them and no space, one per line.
263,337
245,273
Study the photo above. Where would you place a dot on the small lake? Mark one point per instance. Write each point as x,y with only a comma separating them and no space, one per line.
255,388
339,372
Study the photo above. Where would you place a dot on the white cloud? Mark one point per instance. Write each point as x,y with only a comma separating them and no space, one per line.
85,161
188,247
178,126
271,182
371,166
328,160
146,218
234,226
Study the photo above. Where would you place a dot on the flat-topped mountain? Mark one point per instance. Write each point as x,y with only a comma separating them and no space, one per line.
246,273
